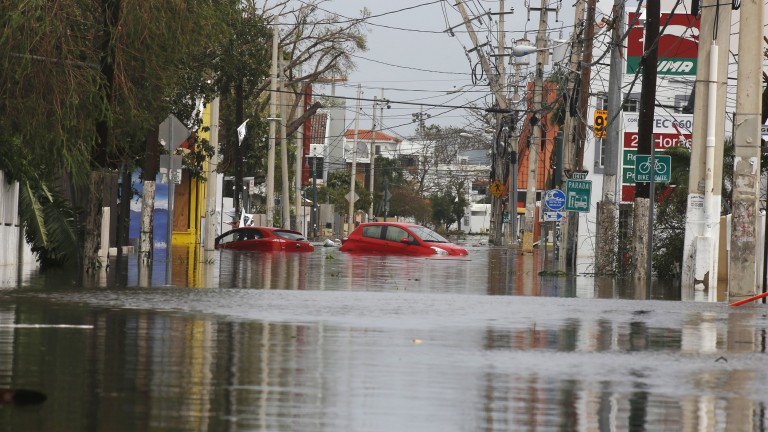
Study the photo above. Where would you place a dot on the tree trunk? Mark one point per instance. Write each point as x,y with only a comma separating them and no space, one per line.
92,235
149,173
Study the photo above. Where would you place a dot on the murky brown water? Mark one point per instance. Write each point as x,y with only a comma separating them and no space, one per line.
333,342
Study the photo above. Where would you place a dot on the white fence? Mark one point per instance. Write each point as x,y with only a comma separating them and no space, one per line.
15,251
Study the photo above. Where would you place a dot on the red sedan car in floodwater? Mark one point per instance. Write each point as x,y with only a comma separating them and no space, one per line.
399,239
263,239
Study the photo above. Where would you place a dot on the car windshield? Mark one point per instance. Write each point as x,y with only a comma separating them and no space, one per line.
428,235
290,235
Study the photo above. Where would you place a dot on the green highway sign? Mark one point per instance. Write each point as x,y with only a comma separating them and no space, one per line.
578,195
661,171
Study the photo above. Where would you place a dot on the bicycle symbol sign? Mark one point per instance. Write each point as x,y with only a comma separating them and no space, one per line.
661,171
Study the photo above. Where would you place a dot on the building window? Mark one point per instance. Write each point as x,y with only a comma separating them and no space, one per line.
377,150
632,103
681,102
602,102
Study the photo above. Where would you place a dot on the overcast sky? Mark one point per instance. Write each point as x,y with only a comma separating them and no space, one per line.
412,59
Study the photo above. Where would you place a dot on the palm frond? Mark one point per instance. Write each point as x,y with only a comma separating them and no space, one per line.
32,216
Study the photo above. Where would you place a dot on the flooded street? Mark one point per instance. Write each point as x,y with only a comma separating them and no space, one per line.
326,341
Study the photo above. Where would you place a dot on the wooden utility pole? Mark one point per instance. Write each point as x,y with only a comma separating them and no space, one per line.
299,165
568,226
495,81
533,151
645,144
372,156
746,169
701,244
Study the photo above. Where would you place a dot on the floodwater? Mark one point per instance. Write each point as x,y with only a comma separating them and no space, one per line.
327,341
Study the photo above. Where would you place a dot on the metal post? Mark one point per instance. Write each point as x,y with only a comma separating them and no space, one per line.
353,173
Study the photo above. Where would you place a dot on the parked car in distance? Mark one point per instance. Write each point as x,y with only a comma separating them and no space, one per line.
263,239
398,239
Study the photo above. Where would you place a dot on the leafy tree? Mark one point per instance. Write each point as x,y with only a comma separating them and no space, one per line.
335,191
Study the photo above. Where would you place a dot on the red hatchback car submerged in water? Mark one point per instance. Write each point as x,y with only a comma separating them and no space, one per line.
263,239
398,239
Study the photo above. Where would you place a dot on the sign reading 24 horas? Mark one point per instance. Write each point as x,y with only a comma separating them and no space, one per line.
678,44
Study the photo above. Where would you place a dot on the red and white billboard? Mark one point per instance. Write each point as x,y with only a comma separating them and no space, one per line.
678,44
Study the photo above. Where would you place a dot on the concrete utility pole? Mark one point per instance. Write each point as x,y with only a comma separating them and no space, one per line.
533,152
272,127
643,200
372,156
211,219
608,214
353,174
285,190
568,246
746,169
702,237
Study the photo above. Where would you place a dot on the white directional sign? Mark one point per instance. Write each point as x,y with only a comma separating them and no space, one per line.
554,216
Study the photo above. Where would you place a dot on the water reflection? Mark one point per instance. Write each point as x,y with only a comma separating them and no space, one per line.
488,363
328,341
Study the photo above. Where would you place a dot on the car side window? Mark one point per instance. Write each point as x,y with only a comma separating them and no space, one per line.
372,231
227,238
396,234
252,234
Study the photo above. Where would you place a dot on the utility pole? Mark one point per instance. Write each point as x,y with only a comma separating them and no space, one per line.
298,164
272,119
746,169
511,235
372,156
568,226
608,212
493,78
353,174
702,237
211,219
533,151
285,195
645,145
496,203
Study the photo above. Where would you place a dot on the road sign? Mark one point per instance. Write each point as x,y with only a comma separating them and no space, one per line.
578,195
172,132
553,216
601,119
351,196
497,188
554,199
661,171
